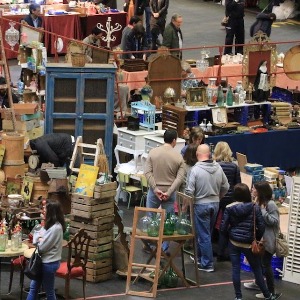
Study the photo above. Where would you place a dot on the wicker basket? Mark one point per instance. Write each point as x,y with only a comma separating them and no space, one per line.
78,59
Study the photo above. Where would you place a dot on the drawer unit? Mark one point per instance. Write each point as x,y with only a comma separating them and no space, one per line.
156,141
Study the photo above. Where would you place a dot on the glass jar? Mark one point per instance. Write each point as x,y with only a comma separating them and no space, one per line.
15,241
184,226
144,223
239,87
3,242
168,225
153,228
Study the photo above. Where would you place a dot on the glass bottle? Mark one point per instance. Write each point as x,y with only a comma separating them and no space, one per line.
184,225
220,96
168,225
229,96
153,228
171,279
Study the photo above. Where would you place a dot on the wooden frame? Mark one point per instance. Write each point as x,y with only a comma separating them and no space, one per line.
257,50
219,115
196,96
32,34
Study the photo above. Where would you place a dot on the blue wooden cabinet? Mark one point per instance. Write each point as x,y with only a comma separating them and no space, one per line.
80,101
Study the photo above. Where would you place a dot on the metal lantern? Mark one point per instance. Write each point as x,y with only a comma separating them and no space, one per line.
12,35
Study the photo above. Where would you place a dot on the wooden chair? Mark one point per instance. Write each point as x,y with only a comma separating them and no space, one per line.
145,187
18,263
75,266
125,187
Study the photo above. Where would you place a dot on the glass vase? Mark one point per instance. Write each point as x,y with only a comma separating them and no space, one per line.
15,242
169,225
144,223
184,226
212,91
153,228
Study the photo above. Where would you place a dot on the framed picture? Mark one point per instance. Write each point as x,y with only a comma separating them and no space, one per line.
196,96
31,35
26,190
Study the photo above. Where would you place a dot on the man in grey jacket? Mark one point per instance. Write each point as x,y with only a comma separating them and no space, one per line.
207,184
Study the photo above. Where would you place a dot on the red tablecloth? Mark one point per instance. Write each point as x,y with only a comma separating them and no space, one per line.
4,26
89,22
65,25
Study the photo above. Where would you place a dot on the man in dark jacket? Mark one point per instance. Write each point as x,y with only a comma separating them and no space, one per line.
33,19
56,148
173,36
159,11
263,23
235,28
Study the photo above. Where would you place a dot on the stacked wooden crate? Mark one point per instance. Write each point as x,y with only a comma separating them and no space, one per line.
96,215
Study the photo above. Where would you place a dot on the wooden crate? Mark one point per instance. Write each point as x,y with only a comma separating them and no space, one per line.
93,208
95,224
94,234
99,278
101,192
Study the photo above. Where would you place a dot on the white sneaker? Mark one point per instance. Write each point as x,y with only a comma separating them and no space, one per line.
251,285
260,296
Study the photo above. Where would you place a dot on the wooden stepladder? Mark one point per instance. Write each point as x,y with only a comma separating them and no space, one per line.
144,267
7,86
85,151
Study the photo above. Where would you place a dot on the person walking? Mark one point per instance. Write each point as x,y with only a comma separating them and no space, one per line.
165,172
172,37
263,198
263,23
223,155
49,242
159,11
238,221
208,184
235,28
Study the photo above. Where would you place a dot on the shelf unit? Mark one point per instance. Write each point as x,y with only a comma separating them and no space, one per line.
80,102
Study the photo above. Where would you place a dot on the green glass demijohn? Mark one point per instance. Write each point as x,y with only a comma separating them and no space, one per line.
153,227
169,226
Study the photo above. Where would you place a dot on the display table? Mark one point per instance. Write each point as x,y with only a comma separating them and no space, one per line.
9,253
273,148
233,73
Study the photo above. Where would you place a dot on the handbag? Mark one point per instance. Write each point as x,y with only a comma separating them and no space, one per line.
281,246
33,269
257,247
224,21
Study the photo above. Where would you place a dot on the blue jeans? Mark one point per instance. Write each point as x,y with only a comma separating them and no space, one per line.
205,216
154,202
47,280
255,263
148,17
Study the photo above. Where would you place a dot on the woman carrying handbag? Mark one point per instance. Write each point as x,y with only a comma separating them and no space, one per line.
263,197
238,220
49,242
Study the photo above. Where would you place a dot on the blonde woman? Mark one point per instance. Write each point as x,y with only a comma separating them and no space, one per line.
223,155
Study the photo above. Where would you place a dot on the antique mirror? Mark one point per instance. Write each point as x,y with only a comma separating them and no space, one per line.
258,49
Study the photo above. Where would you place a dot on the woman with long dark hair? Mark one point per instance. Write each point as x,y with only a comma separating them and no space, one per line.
49,243
238,220
263,196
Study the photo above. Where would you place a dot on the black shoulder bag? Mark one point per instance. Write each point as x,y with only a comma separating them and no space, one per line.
33,269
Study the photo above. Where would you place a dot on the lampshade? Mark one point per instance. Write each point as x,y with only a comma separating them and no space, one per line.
169,93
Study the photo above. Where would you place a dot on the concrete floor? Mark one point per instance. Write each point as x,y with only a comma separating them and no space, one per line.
201,28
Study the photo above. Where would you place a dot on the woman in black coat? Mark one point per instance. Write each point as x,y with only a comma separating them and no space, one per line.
238,221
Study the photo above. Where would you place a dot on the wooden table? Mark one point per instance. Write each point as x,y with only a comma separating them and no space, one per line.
9,253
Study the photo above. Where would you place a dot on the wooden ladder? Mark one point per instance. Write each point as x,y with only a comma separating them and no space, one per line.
7,86
136,234
80,149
